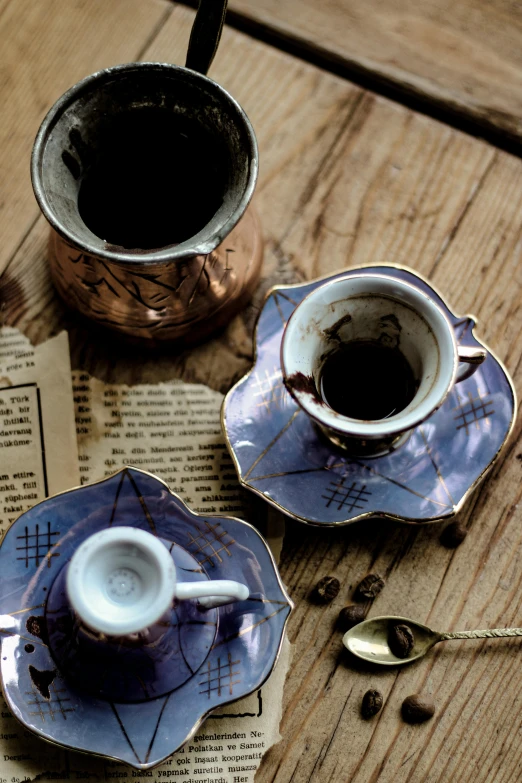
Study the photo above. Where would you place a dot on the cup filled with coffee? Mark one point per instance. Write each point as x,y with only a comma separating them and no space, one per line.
369,358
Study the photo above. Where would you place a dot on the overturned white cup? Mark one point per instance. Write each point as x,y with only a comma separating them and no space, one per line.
122,580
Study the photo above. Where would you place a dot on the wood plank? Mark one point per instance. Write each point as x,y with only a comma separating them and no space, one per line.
466,56
348,178
46,47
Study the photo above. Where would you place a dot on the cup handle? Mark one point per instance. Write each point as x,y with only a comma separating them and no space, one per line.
212,593
470,357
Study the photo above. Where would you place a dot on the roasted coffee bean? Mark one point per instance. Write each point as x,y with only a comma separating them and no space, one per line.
350,616
370,587
327,589
453,535
401,640
371,704
417,709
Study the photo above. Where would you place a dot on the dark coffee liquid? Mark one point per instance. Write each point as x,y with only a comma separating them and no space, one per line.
366,380
156,180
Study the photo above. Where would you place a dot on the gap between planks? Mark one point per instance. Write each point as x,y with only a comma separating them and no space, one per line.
439,109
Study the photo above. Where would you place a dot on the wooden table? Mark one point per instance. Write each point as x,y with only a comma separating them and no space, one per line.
347,178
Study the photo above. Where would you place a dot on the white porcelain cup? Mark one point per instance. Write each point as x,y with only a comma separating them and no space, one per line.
122,580
380,309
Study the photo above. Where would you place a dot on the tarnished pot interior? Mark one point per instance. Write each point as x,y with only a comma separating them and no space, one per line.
168,256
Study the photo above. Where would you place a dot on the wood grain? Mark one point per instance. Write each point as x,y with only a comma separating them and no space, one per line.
465,56
348,178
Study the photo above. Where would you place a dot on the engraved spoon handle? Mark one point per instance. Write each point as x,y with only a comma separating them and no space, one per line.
205,34
492,633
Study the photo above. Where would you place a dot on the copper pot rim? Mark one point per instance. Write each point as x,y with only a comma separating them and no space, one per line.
198,245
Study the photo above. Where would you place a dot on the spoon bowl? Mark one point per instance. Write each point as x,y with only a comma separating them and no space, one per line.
369,640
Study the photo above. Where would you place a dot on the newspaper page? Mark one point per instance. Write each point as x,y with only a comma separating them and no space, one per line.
174,431
38,450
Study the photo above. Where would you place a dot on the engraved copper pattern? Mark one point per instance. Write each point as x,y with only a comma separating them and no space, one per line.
170,300
182,291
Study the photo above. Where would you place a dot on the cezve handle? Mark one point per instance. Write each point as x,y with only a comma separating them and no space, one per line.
205,34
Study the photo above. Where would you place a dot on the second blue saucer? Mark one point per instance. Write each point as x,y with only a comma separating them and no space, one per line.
280,454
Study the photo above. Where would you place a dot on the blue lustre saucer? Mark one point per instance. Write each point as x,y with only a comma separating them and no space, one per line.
147,705
281,455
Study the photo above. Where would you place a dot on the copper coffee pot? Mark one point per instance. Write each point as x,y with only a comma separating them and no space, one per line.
145,172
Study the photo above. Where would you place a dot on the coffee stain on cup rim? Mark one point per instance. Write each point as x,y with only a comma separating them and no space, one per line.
299,383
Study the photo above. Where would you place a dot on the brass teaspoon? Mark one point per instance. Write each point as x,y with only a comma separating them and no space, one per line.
369,640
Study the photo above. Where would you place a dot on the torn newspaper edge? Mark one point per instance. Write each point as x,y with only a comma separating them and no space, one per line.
38,449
